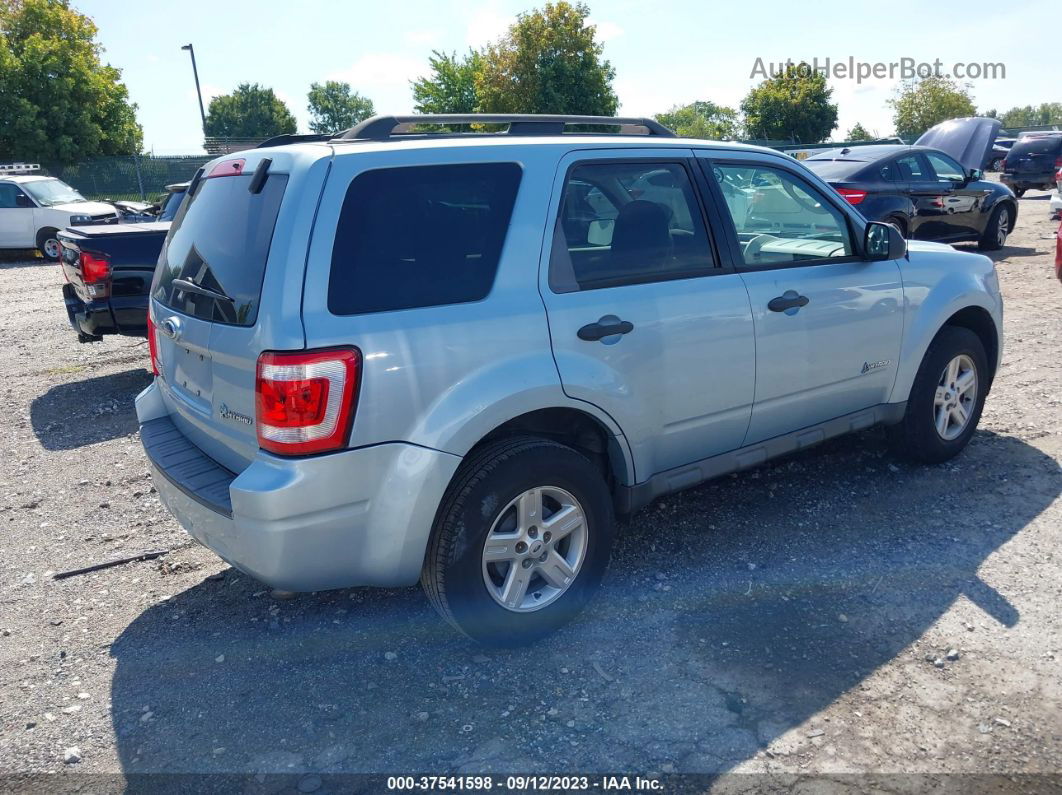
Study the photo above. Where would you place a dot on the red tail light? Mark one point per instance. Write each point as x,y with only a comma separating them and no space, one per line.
305,401
96,274
853,196
153,344
1003,165
1058,162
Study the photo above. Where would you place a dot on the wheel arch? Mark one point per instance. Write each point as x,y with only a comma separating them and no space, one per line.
576,428
979,321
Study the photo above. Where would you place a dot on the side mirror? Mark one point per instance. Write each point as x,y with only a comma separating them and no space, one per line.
974,174
883,241
22,200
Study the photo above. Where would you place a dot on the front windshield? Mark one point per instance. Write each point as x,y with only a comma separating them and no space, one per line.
52,191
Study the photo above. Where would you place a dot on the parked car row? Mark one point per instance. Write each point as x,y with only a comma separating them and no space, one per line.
108,271
1033,162
933,190
34,208
395,355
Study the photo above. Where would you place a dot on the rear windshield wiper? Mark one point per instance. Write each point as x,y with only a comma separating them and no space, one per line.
186,286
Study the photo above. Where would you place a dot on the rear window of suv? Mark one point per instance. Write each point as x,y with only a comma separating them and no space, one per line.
1039,145
420,236
219,241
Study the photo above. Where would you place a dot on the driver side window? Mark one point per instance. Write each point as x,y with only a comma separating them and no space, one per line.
9,196
781,219
947,170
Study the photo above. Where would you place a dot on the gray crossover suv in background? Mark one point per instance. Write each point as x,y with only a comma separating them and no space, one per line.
418,351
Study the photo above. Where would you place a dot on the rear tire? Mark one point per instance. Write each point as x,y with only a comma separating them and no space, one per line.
994,237
48,244
899,223
493,496
931,431
1019,192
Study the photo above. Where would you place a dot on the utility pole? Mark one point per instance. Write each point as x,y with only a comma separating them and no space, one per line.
199,93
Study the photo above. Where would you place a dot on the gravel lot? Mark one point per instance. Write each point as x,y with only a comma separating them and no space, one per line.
794,619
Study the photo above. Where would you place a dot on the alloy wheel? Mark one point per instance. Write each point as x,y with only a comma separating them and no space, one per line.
955,398
534,549
1002,227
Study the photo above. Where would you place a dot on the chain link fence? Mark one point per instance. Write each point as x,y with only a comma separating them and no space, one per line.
129,177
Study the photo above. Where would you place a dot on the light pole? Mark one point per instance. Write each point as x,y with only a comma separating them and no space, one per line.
195,72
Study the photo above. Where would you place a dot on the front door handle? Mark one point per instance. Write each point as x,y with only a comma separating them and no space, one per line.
788,300
607,326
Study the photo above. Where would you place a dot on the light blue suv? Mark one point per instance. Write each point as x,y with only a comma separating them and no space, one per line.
411,352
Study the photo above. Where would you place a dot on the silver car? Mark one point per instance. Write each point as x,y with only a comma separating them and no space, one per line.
454,356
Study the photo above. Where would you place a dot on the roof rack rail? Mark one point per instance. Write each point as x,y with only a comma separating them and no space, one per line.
383,128
292,138
19,168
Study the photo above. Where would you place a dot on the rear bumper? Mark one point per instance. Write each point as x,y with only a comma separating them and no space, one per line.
116,315
1032,179
358,517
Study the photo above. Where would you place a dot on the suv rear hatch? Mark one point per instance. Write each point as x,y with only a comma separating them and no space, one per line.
207,317
1040,154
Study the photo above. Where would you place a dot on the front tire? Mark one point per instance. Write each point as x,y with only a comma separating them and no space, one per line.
946,399
996,230
48,244
900,223
521,541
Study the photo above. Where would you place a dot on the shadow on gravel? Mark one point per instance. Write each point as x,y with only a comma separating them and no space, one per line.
1007,252
79,413
731,614
22,261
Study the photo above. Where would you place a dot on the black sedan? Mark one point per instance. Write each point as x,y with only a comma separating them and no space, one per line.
927,191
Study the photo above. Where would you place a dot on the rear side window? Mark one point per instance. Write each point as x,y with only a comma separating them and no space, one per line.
219,241
627,223
420,236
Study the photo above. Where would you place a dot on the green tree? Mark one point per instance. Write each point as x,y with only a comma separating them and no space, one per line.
921,104
250,111
1033,116
333,106
702,119
58,101
859,133
794,105
548,62
451,86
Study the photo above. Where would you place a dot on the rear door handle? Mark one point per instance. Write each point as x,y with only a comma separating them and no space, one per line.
608,326
788,300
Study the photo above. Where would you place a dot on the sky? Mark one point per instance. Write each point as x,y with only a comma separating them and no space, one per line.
664,54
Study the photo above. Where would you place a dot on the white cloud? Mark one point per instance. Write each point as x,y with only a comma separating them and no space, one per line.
606,30
209,92
486,25
422,38
377,70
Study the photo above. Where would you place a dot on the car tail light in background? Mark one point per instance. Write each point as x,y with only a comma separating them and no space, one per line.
153,345
1058,162
305,401
1003,165
853,196
96,274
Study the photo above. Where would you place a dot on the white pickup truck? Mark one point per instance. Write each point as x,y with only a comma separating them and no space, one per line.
34,208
